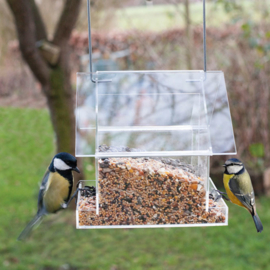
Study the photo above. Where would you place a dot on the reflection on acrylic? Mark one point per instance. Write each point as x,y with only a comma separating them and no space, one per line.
173,113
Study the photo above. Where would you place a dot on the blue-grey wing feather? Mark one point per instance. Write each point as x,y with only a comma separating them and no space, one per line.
42,190
247,198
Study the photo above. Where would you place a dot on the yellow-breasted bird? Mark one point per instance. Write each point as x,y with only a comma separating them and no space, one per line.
239,188
55,189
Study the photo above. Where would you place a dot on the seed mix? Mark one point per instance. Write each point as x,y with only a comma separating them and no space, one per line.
147,191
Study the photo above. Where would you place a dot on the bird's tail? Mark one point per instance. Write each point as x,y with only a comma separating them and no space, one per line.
257,222
27,230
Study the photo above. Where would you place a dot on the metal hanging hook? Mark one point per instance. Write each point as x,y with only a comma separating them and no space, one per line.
90,42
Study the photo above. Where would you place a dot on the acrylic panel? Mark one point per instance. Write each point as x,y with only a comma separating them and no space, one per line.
153,113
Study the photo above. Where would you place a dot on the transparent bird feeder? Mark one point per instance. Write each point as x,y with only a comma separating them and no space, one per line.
152,134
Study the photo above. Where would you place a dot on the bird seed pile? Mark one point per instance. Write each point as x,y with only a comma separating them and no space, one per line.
145,191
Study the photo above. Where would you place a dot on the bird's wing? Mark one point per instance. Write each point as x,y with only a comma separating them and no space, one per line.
42,190
246,197
70,189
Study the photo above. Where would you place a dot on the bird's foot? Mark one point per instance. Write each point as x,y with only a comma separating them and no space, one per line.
216,195
64,205
221,195
86,191
220,192
225,198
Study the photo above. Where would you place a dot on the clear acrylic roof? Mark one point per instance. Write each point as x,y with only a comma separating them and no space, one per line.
148,113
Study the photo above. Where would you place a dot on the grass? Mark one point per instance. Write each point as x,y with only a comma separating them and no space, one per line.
26,139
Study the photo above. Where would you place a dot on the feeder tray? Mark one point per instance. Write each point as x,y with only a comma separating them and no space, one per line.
152,134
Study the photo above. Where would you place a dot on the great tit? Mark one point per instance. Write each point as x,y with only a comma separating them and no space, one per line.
55,189
239,188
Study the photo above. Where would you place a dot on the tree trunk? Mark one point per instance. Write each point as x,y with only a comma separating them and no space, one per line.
55,80
61,105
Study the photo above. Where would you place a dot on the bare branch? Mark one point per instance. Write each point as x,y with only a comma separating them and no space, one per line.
67,21
39,24
25,25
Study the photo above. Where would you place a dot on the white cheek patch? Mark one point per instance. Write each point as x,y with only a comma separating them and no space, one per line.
59,164
234,169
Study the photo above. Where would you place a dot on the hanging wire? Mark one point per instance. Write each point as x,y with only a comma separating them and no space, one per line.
90,41
90,48
204,38
89,37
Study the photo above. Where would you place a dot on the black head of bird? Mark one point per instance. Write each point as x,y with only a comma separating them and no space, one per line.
64,162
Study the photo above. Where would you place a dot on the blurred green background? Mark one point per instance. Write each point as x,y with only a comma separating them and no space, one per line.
238,44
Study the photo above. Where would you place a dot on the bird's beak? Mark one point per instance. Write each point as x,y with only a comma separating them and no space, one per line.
76,170
224,165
